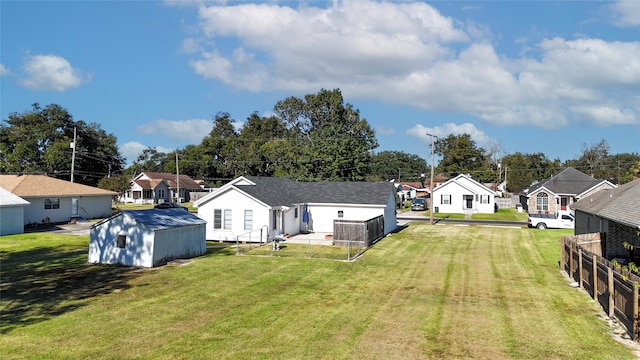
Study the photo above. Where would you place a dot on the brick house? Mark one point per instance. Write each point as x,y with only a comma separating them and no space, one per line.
615,215
557,193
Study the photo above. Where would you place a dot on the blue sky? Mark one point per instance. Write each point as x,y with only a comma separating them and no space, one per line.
519,76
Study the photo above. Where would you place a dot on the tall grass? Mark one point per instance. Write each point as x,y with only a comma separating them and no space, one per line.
426,292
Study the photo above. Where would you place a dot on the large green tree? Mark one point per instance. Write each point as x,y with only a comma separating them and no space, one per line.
327,139
398,165
38,141
522,170
460,154
260,141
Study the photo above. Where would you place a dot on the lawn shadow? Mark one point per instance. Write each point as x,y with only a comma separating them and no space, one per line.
41,283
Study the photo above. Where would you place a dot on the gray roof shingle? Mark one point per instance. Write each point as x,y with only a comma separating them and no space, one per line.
282,191
569,181
621,204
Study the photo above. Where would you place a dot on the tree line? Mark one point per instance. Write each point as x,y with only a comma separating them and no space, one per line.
315,138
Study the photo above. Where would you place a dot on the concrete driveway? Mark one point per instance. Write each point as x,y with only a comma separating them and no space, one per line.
80,228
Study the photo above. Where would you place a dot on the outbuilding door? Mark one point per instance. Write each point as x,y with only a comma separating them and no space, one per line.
74,207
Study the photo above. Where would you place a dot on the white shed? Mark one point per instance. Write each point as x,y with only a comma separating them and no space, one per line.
147,238
11,213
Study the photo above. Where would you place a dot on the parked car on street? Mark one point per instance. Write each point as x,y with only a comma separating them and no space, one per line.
419,204
170,205
552,221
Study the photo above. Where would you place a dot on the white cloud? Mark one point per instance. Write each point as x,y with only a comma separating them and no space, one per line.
50,72
477,135
626,12
132,149
4,70
385,130
193,130
421,59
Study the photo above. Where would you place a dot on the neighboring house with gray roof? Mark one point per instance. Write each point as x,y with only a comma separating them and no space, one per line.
147,238
266,206
557,193
11,213
55,200
615,214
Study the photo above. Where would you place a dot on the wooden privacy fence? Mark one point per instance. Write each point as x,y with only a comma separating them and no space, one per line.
613,288
361,233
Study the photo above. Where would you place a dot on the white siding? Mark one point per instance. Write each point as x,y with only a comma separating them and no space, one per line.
457,189
390,219
182,242
321,216
103,243
11,220
89,207
237,203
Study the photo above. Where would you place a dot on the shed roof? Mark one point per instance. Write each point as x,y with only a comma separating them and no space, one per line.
619,204
42,185
159,219
8,199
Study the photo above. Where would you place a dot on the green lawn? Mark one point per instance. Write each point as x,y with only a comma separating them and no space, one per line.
436,292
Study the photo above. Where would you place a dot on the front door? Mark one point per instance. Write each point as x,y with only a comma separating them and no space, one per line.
74,207
468,201
563,203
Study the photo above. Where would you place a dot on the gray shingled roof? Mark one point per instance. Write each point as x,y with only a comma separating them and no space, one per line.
621,204
160,219
282,192
9,199
568,181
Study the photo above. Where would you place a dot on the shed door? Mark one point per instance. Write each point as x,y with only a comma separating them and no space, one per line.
74,207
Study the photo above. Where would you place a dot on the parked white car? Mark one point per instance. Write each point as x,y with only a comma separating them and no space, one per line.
552,221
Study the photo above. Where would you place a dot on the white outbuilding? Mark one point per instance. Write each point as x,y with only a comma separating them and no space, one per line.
11,213
147,238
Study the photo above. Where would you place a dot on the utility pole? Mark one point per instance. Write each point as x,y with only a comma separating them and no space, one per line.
73,153
431,185
177,179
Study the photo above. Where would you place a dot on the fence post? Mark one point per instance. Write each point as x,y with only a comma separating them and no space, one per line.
635,310
580,266
611,292
571,269
563,257
594,259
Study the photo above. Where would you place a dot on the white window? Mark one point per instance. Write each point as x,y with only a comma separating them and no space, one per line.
445,199
484,199
248,219
51,204
220,222
542,202
227,219
161,193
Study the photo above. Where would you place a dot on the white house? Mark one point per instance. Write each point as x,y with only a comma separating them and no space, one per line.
257,208
462,195
54,200
147,238
11,213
